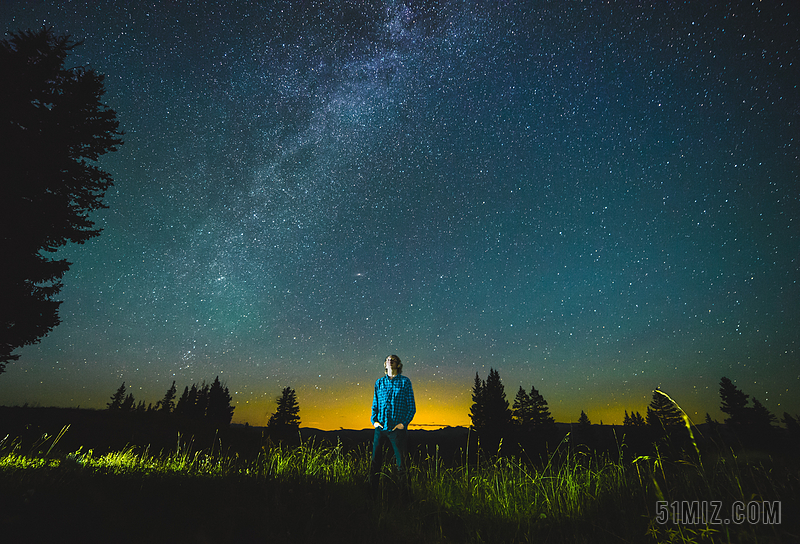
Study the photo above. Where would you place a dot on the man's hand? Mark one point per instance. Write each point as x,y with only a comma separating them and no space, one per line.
399,427
376,424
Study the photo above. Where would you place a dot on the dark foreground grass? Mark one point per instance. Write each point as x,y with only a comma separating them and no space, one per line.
317,493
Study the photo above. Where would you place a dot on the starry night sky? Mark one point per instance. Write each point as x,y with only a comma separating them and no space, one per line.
593,198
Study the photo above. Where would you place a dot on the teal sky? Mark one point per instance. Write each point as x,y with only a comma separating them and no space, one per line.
597,199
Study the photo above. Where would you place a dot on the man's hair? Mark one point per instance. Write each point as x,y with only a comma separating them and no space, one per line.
396,359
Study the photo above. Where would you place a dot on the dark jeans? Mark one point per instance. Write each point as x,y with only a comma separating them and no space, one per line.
398,440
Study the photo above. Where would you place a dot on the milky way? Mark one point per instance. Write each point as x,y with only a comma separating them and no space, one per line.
593,198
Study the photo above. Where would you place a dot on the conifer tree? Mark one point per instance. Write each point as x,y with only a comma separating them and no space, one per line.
734,402
190,406
583,420
662,413
490,411
521,410
287,416
182,408
127,404
792,425
53,128
761,417
498,412
637,420
541,418
117,399
530,411
201,400
167,404
220,410
477,411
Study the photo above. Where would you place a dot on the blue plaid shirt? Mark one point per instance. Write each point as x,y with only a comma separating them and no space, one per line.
393,402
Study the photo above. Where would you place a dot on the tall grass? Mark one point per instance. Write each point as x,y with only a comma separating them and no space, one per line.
565,488
574,496
306,462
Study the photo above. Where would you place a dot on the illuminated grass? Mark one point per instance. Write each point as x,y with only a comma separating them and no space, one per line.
306,462
573,497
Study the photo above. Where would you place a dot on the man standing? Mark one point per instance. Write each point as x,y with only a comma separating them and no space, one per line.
393,408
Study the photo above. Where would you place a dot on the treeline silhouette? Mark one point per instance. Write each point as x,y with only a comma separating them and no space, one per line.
203,413
527,426
200,418
204,403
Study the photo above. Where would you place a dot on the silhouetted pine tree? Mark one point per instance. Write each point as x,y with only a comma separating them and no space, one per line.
182,408
189,405
127,404
530,411
491,406
662,413
167,404
477,411
583,420
521,410
734,402
220,409
633,420
542,420
792,425
760,417
117,399
53,128
287,416
201,401
490,412
498,413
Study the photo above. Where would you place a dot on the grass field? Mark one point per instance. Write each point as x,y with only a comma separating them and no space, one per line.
316,492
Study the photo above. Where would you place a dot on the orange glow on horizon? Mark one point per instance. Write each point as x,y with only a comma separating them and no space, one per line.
438,405
350,407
